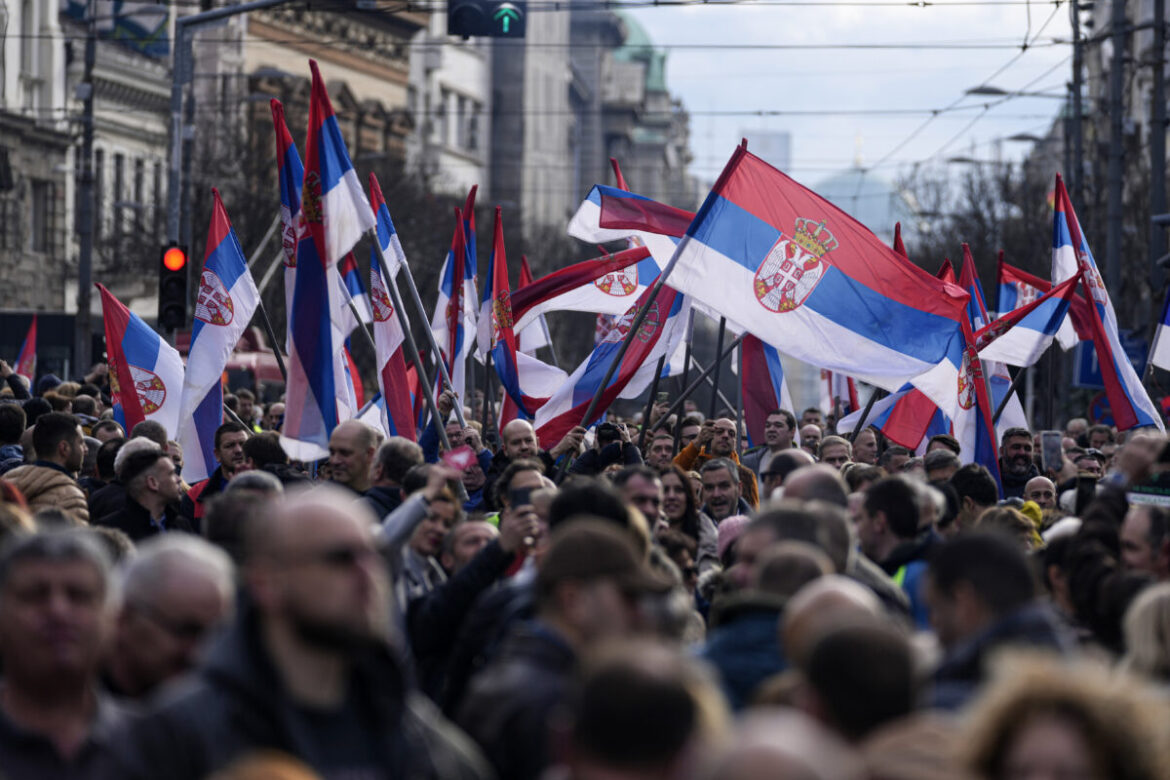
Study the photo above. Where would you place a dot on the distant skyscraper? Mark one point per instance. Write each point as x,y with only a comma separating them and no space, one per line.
773,146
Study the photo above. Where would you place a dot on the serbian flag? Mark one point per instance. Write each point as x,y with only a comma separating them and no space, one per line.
291,175
972,422
1016,287
1128,400
26,361
535,335
334,214
531,301
1020,336
146,373
450,323
351,277
660,334
804,276
495,285
1159,350
393,255
946,272
969,281
227,299
838,393
764,387
906,417
397,414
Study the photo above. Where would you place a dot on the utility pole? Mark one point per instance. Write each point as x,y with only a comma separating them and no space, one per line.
1078,151
83,332
1158,149
1114,211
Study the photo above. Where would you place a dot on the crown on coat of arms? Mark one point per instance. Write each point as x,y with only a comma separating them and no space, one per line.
814,237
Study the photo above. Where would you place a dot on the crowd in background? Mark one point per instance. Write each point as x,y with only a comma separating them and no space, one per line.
633,602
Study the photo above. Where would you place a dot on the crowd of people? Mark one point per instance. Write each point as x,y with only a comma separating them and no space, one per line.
634,602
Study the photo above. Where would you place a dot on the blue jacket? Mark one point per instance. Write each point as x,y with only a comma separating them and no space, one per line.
745,647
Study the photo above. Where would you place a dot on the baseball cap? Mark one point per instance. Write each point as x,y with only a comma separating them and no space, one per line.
593,549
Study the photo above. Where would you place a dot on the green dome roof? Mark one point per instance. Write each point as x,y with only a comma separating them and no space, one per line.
637,47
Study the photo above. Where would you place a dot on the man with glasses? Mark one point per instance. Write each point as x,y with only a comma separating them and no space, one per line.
306,669
176,592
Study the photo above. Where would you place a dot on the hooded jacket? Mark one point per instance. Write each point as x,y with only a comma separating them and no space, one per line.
236,705
48,487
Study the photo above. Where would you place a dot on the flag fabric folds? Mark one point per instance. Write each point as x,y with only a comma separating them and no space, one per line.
1016,287
1159,349
1021,335
389,338
764,387
906,417
291,175
227,299
351,276
838,393
549,292
1128,400
454,317
535,335
146,373
334,214
393,255
804,276
660,334
26,360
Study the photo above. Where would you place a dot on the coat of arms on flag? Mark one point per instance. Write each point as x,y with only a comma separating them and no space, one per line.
793,266
213,304
148,386
619,283
621,327
380,301
968,376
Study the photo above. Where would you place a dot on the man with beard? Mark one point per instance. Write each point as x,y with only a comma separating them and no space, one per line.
716,439
307,667
50,482
229,453
1016,466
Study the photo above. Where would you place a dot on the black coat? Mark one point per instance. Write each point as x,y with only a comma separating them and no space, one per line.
236,705
134,521
509,705
107,500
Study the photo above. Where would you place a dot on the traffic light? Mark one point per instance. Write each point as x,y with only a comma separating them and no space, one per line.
172,288
487,18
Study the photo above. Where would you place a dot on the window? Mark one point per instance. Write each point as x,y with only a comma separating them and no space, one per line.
473,128
10,222
442,123
44,222
461,121
119,195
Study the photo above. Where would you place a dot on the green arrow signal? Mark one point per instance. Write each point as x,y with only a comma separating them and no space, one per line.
505,15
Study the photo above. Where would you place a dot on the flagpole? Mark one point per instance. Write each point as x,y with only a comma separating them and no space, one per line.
873,397
677,405
552,351
722,397
739,403
272,339
422,312
718,367
487,386
236,418
650,403
424,382
1011,390
263,242
686,373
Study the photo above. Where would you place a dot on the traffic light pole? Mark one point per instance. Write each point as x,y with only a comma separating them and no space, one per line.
181,73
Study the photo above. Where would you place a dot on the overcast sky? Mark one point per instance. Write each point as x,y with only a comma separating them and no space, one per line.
729,80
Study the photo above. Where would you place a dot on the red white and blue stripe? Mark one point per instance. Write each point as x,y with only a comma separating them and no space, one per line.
146,373
26,360
291,175
1128,399
536,335
1021,335
1016,287
660,334
334,214
389,338
838,393
543,294
804,276
764,387
393,256
351,275
454,317
227,299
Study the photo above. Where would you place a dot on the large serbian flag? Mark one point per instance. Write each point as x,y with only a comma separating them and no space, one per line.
334,214
227,299
389,337
1128,400
291,175
146,373
804,276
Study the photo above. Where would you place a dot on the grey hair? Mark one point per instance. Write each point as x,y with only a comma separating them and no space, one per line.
129,448
256,480
161,555
716,464
58,546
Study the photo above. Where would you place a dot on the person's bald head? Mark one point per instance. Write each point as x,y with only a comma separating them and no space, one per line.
782,464
826,603
519,440
351,451
1042,490
723,441
818,482
777,743
313,571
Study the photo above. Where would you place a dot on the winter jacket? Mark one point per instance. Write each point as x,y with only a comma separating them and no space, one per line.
135,521
509,705
593,462
907,565
236,704
743,645
1013,487
383,499
692,459
194,504
48,486
11,456
962,669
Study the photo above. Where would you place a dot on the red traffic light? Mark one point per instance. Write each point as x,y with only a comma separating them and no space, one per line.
174,259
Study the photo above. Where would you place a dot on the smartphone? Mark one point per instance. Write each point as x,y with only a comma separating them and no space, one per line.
459,458
519,497
1051,450
663,398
